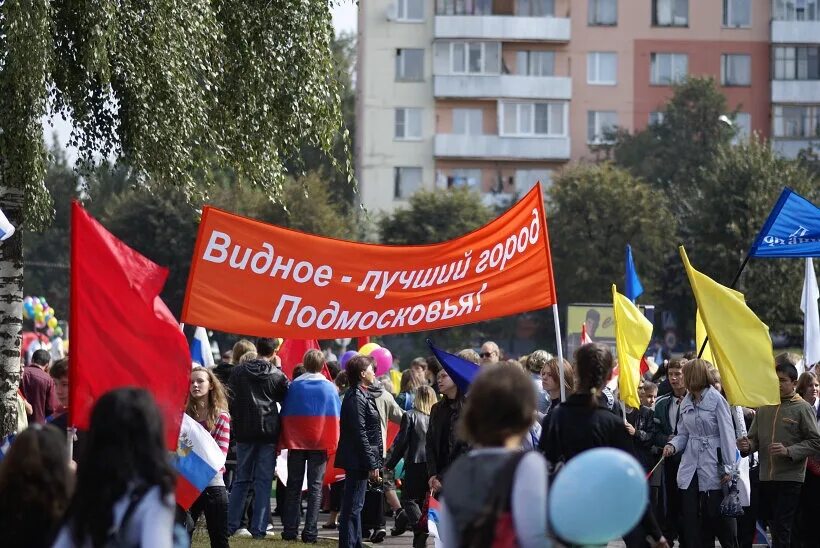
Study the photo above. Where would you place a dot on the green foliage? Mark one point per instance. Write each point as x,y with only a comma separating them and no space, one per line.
736,196
593,212
176,89
434,217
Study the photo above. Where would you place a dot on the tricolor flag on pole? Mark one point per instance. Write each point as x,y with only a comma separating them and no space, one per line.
6,228
198,460
201,349
811,317
433,519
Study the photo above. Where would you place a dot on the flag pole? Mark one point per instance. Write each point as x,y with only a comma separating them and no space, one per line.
732,286
558,344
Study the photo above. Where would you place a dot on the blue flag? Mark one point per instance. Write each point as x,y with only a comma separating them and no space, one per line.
792,229
633,285
460,370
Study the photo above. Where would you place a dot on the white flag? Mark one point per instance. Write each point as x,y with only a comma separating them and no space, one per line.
811,317
6,228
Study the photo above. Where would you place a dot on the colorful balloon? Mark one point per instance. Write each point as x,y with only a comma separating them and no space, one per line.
384,360
368,348
599,478
52,322
346,357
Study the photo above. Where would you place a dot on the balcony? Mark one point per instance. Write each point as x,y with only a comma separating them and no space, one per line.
495,147
791,147
504,86
795,91
796,32
509,28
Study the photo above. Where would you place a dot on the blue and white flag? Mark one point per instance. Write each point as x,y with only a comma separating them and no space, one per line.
460,370
792,229
633,285
201,349
6,228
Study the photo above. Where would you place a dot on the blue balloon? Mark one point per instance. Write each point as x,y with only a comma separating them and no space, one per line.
346,357
599,478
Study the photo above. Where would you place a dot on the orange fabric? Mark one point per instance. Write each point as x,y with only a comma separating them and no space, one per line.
257,279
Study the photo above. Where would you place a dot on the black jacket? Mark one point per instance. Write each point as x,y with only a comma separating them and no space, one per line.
360,437
443,446
257,385
411,441
222,371
643,420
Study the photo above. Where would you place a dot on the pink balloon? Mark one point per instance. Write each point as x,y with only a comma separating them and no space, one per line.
384,360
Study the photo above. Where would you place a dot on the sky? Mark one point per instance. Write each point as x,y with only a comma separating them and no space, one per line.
344,19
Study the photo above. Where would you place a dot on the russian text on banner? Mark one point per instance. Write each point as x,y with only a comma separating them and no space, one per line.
198,459
740,341
122,334
250,277
792,229
632,335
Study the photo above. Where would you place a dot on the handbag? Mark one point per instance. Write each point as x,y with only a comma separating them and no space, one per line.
730,506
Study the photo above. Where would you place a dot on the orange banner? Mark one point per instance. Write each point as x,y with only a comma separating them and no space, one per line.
252,278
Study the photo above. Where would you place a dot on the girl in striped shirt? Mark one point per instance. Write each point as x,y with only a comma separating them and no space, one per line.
208,405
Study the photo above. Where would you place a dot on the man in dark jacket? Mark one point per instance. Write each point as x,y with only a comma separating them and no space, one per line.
257,385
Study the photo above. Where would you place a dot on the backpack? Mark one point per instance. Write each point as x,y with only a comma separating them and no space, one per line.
494,527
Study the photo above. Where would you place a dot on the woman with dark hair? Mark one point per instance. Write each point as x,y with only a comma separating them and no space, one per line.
35,486
125,482
360,447
584,422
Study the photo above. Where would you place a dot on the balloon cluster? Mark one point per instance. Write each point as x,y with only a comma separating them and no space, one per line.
37,310
382,356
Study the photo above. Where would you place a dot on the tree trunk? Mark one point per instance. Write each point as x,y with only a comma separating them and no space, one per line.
11,310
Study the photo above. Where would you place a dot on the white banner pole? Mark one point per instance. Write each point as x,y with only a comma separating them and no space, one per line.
558,344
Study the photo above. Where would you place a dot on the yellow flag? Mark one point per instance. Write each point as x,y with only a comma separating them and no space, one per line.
740,341
395,378
632,335
700,336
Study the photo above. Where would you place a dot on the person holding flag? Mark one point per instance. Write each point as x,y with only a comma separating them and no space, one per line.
208,405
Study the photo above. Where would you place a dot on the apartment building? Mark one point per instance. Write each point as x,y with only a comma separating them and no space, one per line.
495,95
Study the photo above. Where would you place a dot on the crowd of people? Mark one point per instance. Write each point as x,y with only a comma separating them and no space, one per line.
487,454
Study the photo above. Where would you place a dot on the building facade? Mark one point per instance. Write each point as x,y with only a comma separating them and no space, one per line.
495,95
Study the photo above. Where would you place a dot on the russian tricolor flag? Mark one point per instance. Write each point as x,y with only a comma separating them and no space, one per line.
6,228
201,348
433,519
310,414
198,460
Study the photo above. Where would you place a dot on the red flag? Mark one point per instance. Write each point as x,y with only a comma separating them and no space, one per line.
293,351
585,338
122,334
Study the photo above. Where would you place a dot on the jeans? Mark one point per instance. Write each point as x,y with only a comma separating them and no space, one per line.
255,464
780,499
213,502
350,518
316,462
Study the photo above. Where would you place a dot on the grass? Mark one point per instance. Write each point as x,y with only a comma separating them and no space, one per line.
201,541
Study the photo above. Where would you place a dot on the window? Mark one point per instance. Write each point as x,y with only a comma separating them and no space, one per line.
602,68
655,118
532,119
407,180
797,10
535,8
743,127
599,123
535,63
408,123
468,121
603,12
409,65
737,13
799,121
525,179
410,10
474,57
797,63
464,178
670,13
464,7
668,68
735,70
